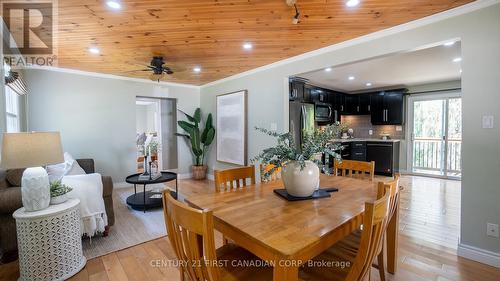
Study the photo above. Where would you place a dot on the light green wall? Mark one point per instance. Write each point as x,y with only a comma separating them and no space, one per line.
96,116
480,86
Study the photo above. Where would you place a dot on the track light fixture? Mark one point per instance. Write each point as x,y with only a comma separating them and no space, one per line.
293,3
295,19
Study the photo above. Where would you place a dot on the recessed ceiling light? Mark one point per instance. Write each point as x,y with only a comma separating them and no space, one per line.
328,69
94,50
368,84
457,59
352,77
460,70
197,69
247,46
352,3
447,44
114,5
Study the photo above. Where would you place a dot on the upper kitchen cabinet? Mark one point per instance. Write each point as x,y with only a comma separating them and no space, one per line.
364,104
387,107
356,104
318,94
297,90
351,104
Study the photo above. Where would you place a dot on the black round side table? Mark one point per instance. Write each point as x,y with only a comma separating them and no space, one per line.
149,199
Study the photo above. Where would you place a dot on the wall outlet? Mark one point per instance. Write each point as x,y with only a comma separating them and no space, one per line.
488,121
492,230
399,128
370,132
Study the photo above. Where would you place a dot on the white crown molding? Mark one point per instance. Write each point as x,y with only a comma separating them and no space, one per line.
479,255
111,76
467,8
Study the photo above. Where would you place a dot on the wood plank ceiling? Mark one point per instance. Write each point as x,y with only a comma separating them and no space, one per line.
210,34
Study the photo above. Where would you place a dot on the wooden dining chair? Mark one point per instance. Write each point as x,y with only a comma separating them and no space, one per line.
353,262
191,234
354,169
234,178
390,188
275,176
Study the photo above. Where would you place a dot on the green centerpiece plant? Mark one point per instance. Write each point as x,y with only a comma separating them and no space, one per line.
58,192
301,163
199,140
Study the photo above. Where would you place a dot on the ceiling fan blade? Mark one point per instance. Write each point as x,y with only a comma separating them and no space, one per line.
137,70
168,71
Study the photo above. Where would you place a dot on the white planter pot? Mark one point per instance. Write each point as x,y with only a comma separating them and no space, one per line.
300,183
59,199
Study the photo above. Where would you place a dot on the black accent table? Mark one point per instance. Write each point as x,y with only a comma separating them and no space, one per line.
149,199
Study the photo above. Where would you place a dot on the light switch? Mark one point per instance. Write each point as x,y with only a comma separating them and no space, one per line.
488,121
274,127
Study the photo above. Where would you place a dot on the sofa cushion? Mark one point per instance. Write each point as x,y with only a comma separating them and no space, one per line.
14,176
3,181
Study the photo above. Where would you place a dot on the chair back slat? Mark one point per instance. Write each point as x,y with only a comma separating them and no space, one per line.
230,179
275,176
191,233
374,223
393,188
354,169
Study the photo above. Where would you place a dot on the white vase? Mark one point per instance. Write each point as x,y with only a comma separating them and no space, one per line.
300,182
35,189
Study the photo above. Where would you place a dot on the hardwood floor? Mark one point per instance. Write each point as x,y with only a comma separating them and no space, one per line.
429,231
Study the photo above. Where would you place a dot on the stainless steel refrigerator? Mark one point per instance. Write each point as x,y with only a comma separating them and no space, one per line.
301,120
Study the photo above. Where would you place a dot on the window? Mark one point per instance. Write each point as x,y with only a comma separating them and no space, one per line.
12,110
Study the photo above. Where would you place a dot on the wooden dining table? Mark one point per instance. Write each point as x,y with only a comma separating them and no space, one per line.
291,233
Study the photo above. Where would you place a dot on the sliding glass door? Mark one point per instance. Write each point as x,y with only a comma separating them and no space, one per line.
436,135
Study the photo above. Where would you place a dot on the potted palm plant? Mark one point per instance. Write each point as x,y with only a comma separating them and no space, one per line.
199,140
300,165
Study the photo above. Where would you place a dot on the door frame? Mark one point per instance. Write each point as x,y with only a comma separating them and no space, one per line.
446,94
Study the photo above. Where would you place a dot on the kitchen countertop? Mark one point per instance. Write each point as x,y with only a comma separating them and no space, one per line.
363,139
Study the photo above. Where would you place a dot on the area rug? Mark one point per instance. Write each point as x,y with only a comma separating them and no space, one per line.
131,227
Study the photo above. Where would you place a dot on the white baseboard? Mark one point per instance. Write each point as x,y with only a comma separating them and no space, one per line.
190,175
121,185
479,255
184,176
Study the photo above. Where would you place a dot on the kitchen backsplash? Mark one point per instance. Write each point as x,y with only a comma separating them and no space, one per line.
361,124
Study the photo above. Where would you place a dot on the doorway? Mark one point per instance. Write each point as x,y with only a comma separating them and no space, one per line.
156,123
436,135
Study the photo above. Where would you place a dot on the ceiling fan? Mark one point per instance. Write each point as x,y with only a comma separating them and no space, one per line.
158,68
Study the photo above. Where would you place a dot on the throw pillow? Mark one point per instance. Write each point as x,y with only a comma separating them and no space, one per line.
68,167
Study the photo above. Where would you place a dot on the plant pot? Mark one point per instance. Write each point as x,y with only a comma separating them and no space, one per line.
199,172
300,182
59,199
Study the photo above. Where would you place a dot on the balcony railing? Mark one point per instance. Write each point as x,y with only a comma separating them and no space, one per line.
428,156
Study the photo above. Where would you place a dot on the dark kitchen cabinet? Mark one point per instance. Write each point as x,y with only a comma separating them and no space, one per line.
297,89
358,151
356,104
364,104
317,94
386,108
385,155
351,103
